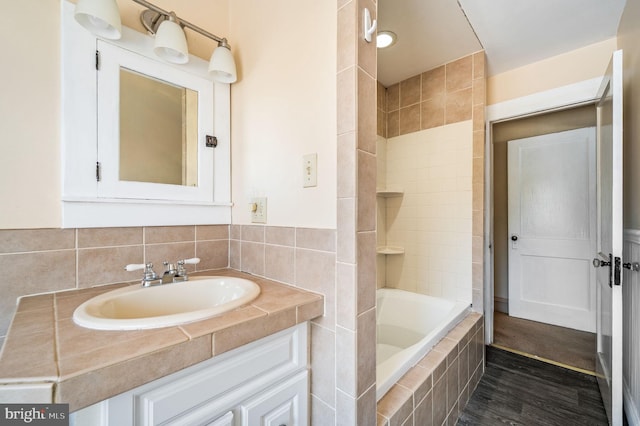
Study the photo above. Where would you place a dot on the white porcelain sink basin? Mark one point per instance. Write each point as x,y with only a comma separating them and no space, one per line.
136,308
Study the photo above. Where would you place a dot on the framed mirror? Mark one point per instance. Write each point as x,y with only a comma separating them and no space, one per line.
152,126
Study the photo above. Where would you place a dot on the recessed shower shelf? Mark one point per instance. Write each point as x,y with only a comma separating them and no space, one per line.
389,192
390,250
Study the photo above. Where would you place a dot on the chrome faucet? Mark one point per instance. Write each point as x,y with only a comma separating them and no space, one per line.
177,272
170,272
174,272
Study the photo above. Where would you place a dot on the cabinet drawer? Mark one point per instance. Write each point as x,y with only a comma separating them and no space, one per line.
285,404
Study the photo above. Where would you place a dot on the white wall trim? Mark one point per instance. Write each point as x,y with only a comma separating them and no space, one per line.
549,100
501,304
630,284
632,235
561,97
630,408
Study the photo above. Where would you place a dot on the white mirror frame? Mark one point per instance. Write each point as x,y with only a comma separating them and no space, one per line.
112,60
81,205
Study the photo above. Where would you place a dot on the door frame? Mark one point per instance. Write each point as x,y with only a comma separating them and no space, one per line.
561,98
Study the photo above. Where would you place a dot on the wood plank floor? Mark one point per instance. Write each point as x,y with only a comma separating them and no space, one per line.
517,390
563,345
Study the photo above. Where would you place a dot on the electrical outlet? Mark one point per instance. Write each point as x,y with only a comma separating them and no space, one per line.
258,210
310,170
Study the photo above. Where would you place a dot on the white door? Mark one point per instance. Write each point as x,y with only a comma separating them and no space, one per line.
609,246
552,228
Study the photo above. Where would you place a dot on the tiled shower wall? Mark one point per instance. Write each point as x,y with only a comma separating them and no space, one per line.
46,260
448,94
431,221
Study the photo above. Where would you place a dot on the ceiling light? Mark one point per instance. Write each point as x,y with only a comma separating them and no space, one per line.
385,39
102,18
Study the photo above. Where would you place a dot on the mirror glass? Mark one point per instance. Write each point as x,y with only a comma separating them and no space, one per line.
158,131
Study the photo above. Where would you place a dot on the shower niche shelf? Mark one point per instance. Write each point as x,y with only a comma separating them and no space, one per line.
390,250
389,192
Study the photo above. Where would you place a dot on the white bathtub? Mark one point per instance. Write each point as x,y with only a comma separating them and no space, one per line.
408,326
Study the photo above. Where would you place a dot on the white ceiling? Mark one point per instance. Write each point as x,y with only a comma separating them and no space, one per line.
513,33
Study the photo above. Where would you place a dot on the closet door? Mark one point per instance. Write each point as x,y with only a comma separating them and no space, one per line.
552,228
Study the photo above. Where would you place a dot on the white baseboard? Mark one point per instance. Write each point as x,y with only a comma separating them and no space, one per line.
632,235
501,304
630,407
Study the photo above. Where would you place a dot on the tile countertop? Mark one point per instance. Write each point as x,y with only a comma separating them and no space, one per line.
46,357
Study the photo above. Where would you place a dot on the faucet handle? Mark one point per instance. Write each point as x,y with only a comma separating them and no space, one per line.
148,269
182,271
149,273
135,267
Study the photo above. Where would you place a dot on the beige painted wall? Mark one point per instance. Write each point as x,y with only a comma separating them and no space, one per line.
30,107
29,115
283,107
628,40
572,67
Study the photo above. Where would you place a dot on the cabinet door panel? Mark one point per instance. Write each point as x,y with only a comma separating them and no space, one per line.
284,404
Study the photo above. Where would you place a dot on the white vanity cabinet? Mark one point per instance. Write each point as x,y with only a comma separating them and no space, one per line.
265,382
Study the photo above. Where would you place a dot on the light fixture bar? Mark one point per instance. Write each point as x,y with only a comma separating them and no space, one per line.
102,18
182,21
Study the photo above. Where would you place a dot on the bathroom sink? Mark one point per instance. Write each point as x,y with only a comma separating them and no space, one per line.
136,307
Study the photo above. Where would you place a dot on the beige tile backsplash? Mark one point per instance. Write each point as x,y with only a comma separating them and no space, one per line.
47,260
26,240
107,237
305,258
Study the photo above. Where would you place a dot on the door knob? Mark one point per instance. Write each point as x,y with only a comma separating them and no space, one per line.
598,263
514,237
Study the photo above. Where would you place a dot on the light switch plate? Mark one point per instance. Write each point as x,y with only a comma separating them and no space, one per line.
310,170
259,210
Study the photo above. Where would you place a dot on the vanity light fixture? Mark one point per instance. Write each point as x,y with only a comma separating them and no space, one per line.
171,43
385,39
102,18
